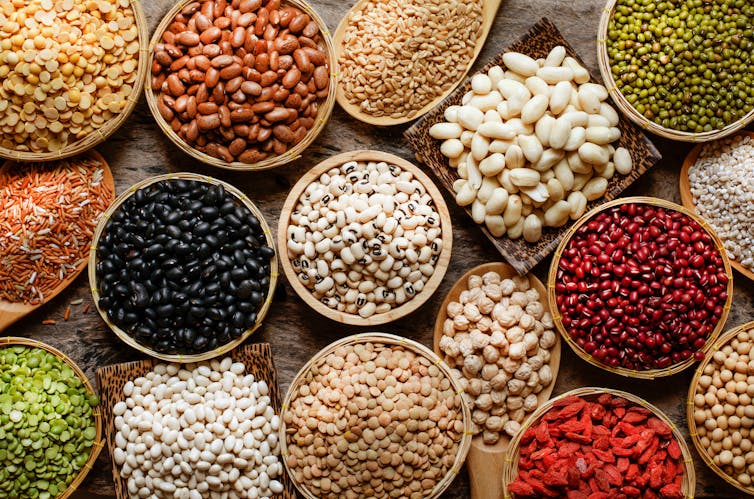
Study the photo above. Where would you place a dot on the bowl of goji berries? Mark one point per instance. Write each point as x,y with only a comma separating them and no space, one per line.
640,287
598,443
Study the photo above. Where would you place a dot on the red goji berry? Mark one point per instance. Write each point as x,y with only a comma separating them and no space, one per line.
604,455
601,479
671,491
630,491
575,494
613,475
659,426
597,495
521,489
674,450
622,464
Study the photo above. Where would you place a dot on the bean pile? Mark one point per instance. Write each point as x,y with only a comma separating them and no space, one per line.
533,144
67,67
722,181
497,340
685,65
641,287
47,429
198,430
723,410
183,266
240,80
365,237
371,420
48,214
604,449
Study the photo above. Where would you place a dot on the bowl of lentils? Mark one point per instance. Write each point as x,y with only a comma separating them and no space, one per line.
682,70
640,287
367,237
183,267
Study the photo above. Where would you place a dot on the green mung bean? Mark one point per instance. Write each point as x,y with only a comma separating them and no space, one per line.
47,426
686,65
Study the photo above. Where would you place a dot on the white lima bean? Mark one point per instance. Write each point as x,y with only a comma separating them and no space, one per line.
530,117
182,435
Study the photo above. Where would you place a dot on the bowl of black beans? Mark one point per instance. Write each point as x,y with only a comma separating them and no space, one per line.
183,267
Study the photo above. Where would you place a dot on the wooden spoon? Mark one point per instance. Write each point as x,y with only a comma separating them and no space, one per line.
687,199
485,462
489,9
10,312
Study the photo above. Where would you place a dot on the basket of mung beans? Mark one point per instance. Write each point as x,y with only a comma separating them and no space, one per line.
640,287
242,85
183,267
719,410
682,70
374,415
367,237
74,71
50,425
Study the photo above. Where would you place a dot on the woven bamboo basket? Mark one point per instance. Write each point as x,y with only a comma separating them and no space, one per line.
98,439
257,357
510,471
382,339
627,109
102,133
94,284
649,373
323,113
440,267
723,340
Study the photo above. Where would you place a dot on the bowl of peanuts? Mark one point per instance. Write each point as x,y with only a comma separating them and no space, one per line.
73,71
374,415
243,85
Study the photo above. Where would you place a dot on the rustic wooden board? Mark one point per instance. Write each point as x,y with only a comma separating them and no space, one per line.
537,42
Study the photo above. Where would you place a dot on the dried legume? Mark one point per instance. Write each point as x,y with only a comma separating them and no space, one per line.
722,184
48,213
183,266
47,429
67,67
641,287
198,430
398,56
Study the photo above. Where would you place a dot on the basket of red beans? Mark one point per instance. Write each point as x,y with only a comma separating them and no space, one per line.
641,287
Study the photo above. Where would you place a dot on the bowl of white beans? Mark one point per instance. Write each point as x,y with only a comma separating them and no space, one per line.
367,237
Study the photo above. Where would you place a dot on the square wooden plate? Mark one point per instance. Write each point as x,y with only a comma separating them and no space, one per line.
257,357
536,43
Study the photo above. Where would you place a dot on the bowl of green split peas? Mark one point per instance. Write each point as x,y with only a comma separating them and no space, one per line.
681,69
50,424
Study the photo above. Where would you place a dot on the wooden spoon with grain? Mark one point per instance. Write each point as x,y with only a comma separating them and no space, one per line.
485,462
489,9
10,312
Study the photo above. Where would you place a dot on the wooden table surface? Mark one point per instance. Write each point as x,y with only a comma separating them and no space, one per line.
139,150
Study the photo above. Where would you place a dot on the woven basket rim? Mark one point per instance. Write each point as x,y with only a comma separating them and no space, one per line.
688,484
323,113
384,339
632,373
261,313
99,440
101,134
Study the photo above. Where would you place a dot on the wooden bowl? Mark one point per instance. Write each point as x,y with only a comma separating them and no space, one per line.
10,341
523,256
633,373
257,357
510,471
687,199
94,283
632,114
106,130
323,113
723,340
485,462
440,267
382,339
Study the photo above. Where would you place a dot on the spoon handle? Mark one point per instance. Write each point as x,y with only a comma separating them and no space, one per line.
485,467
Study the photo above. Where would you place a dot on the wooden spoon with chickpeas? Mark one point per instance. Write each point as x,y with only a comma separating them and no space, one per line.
485,462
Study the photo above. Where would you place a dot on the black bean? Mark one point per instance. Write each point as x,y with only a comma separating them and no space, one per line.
209,213
202,229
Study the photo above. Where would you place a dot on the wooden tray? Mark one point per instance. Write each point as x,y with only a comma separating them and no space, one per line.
542,37
110,379
687,199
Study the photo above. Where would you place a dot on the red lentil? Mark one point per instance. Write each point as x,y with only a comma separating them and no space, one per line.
48,213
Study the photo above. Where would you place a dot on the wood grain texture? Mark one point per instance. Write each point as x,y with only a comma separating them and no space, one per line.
139,150
523,256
